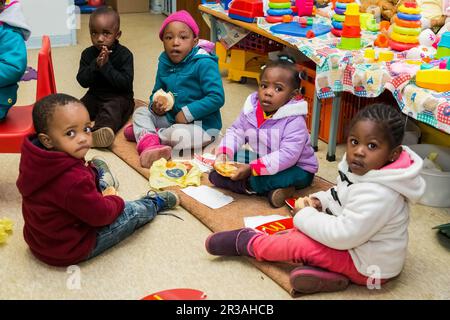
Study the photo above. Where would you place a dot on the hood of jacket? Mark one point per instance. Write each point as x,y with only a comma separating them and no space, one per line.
13,16
292,108
196,53
406,181
41,166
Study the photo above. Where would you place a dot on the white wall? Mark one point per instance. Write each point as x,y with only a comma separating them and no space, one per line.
53,18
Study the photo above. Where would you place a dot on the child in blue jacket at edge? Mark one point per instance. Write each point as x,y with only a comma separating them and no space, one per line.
67,218
192,75
14,31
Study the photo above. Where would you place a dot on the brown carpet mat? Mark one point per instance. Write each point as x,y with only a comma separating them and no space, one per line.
230,216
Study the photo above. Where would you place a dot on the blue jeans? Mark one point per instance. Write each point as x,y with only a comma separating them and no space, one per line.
134,215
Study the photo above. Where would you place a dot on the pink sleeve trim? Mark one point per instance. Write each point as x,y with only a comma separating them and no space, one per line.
258,168
225,150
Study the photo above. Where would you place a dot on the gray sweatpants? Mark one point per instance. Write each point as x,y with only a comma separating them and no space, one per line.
178,136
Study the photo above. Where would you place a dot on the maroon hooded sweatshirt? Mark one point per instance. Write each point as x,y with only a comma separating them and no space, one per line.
62,204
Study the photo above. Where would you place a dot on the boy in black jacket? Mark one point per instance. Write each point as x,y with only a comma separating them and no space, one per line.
106,68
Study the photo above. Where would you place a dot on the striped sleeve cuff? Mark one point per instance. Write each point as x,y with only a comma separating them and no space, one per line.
187,114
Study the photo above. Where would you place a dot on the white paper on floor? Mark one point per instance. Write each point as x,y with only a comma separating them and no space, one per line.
208,196
253,222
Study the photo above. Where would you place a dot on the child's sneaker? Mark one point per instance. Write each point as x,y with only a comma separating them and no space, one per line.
128,132
164,200
103,137
104,173
278,196
307,279
230,243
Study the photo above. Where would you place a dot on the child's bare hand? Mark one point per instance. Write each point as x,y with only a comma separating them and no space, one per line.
243,172
158,108
180,118
315,203
103,57
110,191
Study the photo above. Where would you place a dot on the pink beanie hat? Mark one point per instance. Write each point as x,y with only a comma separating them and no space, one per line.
181,16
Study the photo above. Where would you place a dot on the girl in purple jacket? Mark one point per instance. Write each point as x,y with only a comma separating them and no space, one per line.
273,124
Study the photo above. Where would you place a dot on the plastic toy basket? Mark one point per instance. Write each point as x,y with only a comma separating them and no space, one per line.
258,43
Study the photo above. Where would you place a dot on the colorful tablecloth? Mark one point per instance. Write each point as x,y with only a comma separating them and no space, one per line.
340,70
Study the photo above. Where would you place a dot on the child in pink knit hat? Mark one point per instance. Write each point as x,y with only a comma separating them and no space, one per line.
191,75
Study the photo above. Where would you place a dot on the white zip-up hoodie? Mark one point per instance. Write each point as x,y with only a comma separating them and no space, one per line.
370,216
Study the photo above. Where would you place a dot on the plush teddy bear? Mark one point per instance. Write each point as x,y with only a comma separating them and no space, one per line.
381,9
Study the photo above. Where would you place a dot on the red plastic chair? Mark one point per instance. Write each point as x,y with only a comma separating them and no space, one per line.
19,123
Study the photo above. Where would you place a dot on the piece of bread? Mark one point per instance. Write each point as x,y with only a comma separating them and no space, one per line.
301,203
165,98
225,169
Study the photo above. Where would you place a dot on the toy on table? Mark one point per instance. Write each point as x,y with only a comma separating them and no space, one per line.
280,11
337,20
443,48
301,28
304,7
165,98
224,3
246,10
434,79
406,27
373,55
225,169
90,5
351,31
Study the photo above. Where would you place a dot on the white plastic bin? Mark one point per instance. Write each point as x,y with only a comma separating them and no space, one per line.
437,192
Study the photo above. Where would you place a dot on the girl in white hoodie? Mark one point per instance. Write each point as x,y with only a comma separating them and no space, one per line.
356,231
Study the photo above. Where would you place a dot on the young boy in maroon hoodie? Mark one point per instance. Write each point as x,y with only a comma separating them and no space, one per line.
67,218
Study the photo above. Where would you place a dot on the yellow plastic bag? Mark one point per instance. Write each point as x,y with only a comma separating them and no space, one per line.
6,227
165,173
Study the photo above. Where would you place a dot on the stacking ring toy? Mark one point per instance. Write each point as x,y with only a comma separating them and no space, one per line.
407,31
341,5
337,24
338,17
409,17
403,38
400,46
280,12
336,32
279,5
407,24
409,10
339,11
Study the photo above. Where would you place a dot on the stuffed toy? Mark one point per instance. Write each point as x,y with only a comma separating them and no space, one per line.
432,14
371,6
388,8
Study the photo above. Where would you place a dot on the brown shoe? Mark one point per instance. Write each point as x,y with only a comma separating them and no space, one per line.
277,196
307,279
102,138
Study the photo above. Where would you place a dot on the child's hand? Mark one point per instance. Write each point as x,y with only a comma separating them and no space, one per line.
110,191
158,108
243,172
180,118
315,203
304,202
103,57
